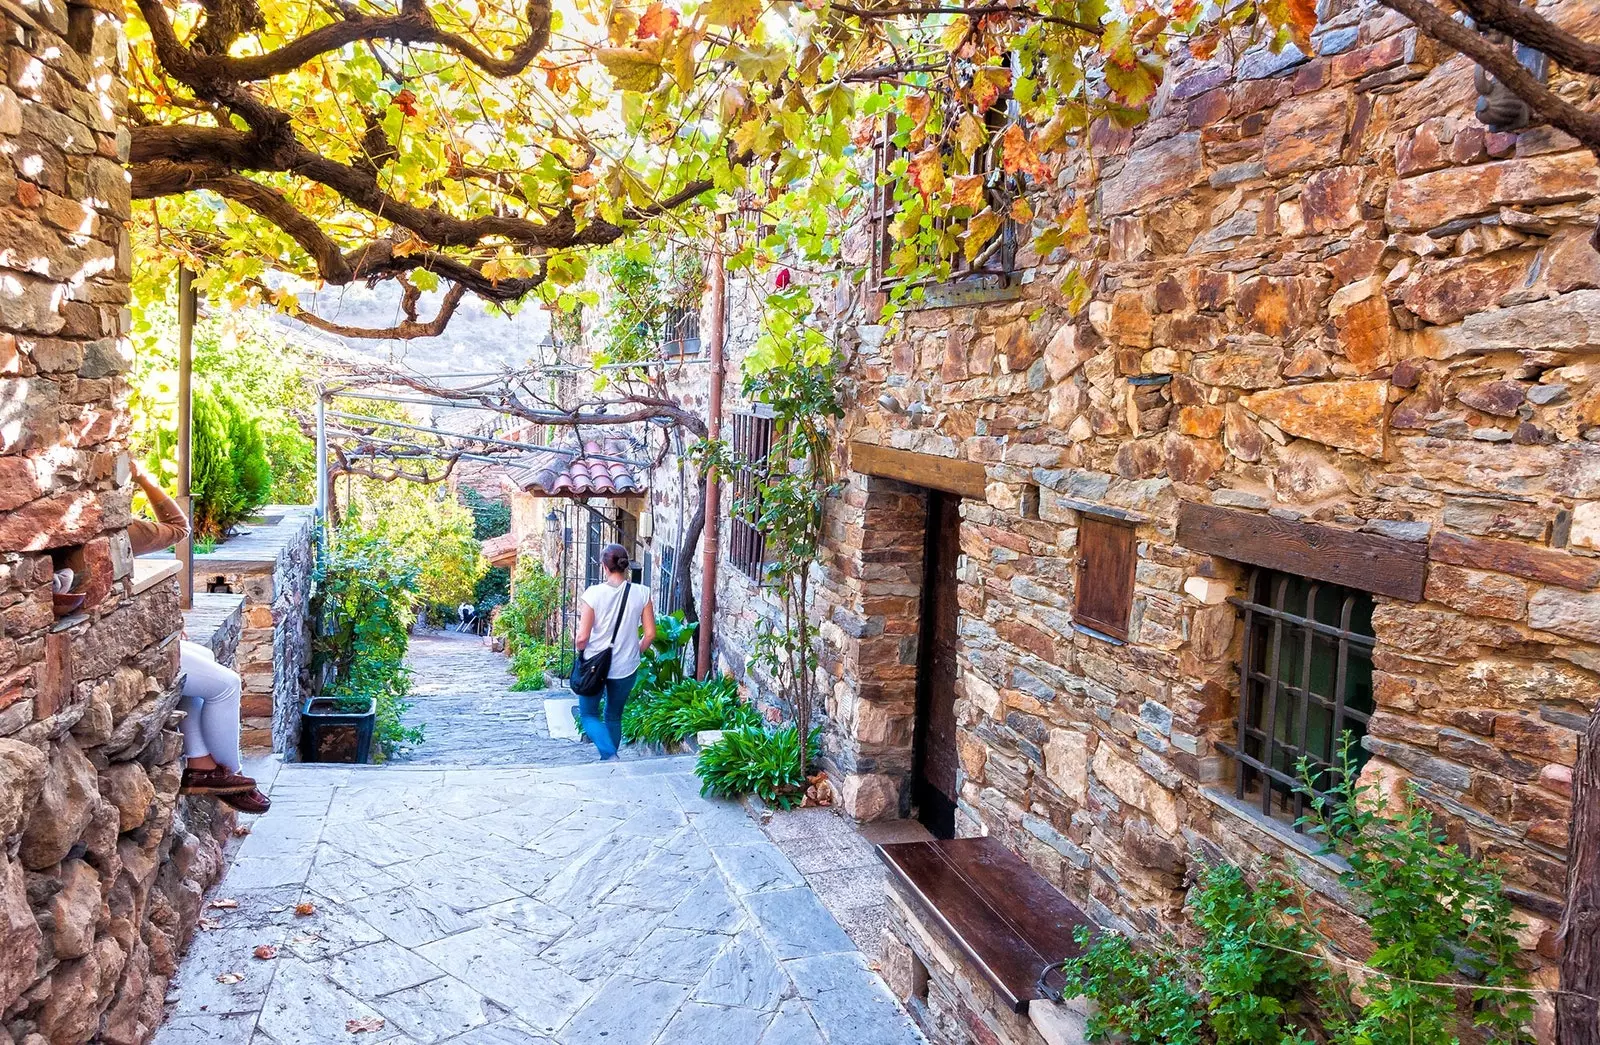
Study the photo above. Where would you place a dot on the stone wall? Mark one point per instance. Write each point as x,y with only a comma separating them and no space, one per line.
101,865
1320,291
269,564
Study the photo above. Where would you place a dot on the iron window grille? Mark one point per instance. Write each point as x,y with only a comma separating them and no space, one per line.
667,585
680,334
1306,679
747,545
993,265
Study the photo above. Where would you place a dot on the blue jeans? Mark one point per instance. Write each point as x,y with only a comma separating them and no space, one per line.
606,732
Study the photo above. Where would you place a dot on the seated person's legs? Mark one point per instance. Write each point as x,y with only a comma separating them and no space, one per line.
211,694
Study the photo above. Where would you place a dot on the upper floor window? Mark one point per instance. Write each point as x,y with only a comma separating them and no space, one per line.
747,545
904,236
1306,678
680,331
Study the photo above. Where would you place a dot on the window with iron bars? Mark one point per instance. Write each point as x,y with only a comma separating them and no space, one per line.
680,331
747,545
667,600
1306,679
994,264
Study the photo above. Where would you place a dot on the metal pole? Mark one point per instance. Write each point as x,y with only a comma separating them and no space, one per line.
187,308
321,498
708,573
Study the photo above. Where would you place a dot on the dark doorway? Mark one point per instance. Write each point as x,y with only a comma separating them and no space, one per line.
934,785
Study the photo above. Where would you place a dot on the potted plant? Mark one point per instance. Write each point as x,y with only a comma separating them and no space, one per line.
336,728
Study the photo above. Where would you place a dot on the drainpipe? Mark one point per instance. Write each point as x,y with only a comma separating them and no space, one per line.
708,574
187,307
322,469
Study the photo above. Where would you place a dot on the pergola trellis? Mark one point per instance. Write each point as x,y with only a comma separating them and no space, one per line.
345,438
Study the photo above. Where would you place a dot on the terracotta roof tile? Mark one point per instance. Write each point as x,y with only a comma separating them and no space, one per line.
579,475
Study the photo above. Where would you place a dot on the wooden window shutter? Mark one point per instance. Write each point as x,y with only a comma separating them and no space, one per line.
1106,556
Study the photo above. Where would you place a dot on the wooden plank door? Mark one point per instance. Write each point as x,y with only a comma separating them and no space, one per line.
934,790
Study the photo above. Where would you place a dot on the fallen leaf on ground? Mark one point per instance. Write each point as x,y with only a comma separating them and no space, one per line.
231,977
224,904
304,938
210,923
365,1023
240,831
266,952
305,908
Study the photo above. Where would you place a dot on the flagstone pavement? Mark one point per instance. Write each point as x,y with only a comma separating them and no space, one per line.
560,905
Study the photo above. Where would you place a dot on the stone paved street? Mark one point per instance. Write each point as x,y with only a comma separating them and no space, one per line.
463,700
487,904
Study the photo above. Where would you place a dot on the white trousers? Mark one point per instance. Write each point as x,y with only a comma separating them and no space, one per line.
211,694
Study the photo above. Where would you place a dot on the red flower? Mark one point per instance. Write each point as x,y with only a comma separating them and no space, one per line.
783,279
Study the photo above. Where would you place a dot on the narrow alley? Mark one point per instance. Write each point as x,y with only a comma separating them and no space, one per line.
500,887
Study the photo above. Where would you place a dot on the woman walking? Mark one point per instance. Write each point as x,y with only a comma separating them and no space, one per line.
622,609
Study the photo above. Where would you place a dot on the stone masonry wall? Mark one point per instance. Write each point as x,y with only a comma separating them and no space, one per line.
101,865
271,566
1345,303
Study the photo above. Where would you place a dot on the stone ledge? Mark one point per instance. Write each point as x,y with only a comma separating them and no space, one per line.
214,622
1279,831
147,573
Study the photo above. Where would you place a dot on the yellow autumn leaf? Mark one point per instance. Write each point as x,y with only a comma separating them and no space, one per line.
926,171
987,84
970,135
732,13
631,68
980,230
968,191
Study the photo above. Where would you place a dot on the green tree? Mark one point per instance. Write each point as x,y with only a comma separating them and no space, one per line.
429,529
242,355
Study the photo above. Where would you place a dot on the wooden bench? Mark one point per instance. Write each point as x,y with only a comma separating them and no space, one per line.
1001,913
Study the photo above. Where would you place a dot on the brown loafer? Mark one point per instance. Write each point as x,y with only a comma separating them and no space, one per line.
251,801
218,781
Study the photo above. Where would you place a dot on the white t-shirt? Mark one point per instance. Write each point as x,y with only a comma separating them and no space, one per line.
605,598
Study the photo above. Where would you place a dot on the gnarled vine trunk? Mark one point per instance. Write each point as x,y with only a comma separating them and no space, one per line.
1577,1010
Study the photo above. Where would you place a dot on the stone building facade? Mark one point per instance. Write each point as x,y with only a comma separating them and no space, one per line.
101,864
1332,321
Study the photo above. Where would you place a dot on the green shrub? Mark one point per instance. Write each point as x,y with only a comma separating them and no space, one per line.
363,605
673,715
1439,917
529,664
1239,986
1441,926
670,658
753,760
524,622
230,475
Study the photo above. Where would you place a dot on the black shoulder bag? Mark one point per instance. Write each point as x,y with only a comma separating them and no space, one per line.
589,673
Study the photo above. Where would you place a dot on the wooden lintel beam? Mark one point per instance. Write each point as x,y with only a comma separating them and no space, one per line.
949,474
1369,562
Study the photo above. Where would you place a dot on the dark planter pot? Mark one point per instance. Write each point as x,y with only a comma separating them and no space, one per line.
330,735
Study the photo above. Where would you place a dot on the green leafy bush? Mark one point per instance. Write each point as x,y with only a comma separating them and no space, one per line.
529,664
754,760
673,715
1441,926
233,350
524,622
230,475
670,658
1439,917
364,605
1241,985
